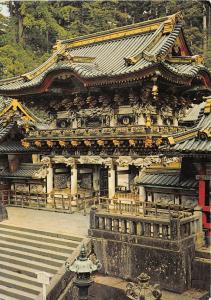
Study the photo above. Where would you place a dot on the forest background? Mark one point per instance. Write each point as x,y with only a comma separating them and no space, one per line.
28,34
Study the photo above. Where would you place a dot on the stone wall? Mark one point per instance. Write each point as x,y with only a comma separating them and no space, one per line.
161,247
170,268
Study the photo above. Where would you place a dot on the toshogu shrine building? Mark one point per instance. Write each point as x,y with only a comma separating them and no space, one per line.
122,117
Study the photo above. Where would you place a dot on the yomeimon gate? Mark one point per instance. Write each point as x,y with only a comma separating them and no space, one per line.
94,114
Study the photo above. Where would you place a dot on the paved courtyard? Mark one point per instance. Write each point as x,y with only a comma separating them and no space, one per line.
74,224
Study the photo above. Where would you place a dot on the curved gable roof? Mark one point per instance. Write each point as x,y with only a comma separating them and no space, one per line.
120,55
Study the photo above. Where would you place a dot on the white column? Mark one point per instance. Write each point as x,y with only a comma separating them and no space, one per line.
74,180
49,179
111,182
175,121
112,121
142,193
74,124
159,120
141,120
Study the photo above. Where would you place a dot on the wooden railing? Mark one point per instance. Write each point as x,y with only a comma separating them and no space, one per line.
135,207
43,201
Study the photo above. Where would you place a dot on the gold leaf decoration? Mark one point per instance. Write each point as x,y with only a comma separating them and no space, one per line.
25,144
62,143
38,143
50,144
74,143
148,142
101,143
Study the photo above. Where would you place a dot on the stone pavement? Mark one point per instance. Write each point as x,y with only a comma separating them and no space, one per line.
74,224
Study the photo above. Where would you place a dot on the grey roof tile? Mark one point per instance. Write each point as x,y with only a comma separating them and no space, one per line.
109,60
167,180
15,147
5,130
25,170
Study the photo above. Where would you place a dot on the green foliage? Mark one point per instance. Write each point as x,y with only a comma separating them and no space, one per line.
34,26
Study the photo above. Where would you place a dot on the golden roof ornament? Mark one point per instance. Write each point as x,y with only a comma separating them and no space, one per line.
116,143
38,143
87,143
50,144
197,59
101,143
25,144
158,142
132,143
207,106
62,143
148,142
148,122
74,143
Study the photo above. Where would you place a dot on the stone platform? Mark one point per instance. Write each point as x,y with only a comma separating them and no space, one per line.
74,224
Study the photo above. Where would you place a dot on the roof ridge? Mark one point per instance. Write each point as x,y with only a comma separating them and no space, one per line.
122,31
117,29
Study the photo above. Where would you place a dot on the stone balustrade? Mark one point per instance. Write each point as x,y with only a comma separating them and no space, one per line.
173,228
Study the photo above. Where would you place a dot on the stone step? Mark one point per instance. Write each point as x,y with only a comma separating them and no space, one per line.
35,250
32,257
19,269
19,262
5,297
16,294
42,245
22,286
19,277
25,252
38,237
45,233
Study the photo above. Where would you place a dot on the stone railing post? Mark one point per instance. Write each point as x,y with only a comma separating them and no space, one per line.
93,217
175,233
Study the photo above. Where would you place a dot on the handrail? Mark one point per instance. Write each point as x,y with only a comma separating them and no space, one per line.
172,228
48,201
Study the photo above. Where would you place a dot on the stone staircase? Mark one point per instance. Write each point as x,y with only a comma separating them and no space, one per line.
24,253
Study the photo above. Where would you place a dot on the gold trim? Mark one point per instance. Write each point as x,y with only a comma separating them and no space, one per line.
60,48
53,59
197,59
185,136
14,105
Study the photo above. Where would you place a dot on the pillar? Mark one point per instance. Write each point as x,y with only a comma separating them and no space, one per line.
49,179
201,193
111,182
142,193
35,158
113,121
74,180
141,120
175,121
96,178
159,120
